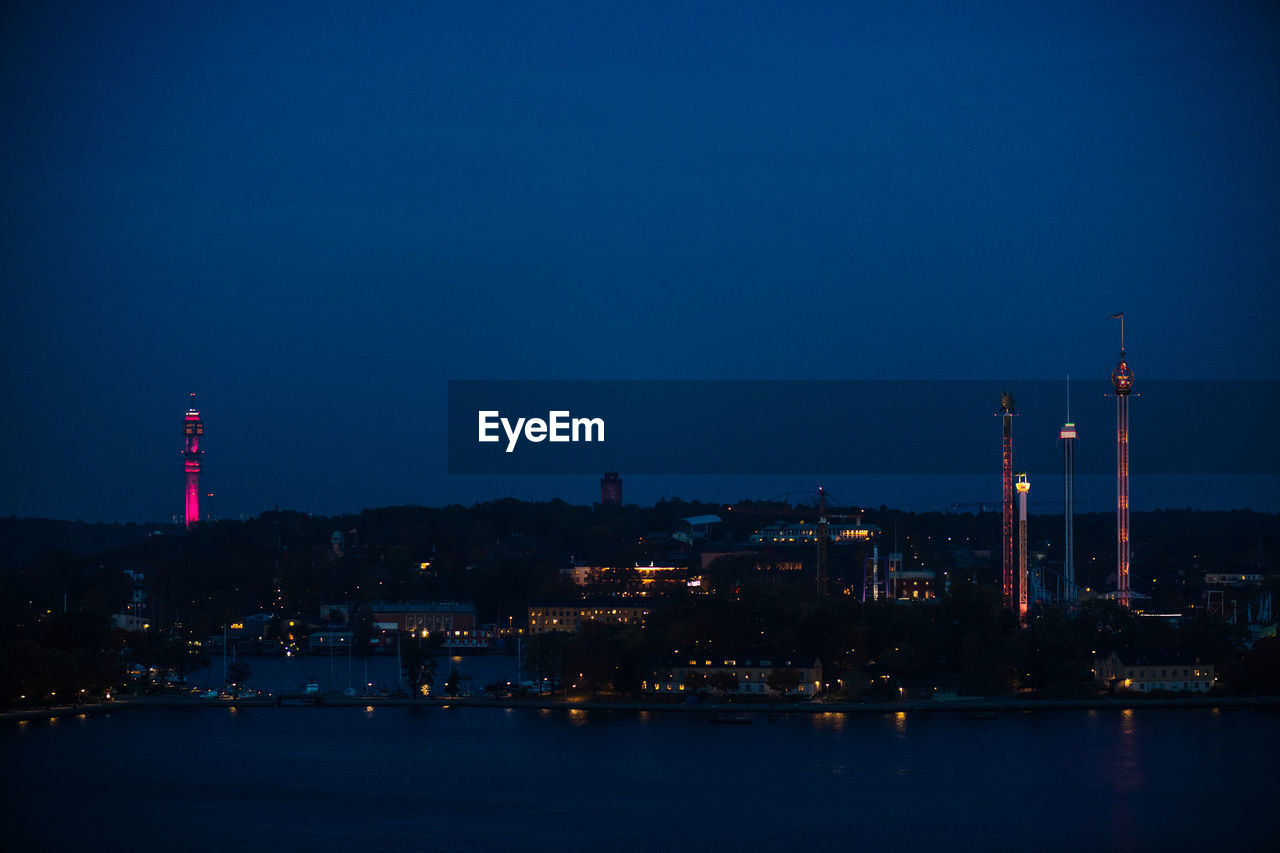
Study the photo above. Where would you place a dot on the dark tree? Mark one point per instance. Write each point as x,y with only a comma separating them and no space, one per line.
783,681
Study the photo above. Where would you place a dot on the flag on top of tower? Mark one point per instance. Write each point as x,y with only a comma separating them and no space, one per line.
1119,316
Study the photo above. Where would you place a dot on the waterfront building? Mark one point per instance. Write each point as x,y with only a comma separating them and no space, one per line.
327,639
751,674
452,621
1143,675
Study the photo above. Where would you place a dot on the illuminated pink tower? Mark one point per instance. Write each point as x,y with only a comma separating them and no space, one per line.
1122,381
192,430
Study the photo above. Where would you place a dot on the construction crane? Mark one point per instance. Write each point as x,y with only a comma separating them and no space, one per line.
799,512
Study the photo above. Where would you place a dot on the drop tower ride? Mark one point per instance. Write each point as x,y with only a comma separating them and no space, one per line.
1122,382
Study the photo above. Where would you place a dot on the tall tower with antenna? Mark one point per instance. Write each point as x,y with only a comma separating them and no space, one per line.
1007,404
192,432
1068,437
1122,382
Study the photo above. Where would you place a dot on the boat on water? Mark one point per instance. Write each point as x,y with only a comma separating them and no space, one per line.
737,718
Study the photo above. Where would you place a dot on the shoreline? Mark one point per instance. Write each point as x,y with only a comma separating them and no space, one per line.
980,705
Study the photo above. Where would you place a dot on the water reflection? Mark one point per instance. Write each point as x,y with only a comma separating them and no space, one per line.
1126,778
1129,773
828,720
1126,722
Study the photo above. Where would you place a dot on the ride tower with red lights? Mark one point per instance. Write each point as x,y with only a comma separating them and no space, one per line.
1023,487
1122,382
1008,588
192,431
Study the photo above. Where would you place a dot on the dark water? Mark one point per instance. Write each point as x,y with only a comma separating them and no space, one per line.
408,778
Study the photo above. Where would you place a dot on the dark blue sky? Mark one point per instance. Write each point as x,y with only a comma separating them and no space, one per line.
316,214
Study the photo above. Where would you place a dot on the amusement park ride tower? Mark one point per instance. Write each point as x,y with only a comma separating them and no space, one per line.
1122,382
1007,412
192,431
1023,487
1068,436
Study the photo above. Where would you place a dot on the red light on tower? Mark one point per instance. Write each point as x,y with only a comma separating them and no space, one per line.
1023,487
192,432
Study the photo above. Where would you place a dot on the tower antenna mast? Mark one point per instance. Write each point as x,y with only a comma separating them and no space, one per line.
192,432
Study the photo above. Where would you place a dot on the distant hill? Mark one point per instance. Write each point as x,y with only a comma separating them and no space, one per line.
27,538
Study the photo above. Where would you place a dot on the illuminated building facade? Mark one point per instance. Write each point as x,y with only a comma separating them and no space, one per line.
911,584
1233,578
192,433
419,616
752,675
1143,675
329,639
571,616
807,533
454,621
641,579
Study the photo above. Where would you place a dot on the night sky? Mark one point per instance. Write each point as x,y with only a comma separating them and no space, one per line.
316,214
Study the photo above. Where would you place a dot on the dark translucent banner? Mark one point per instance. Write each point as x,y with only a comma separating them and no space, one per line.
854,427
